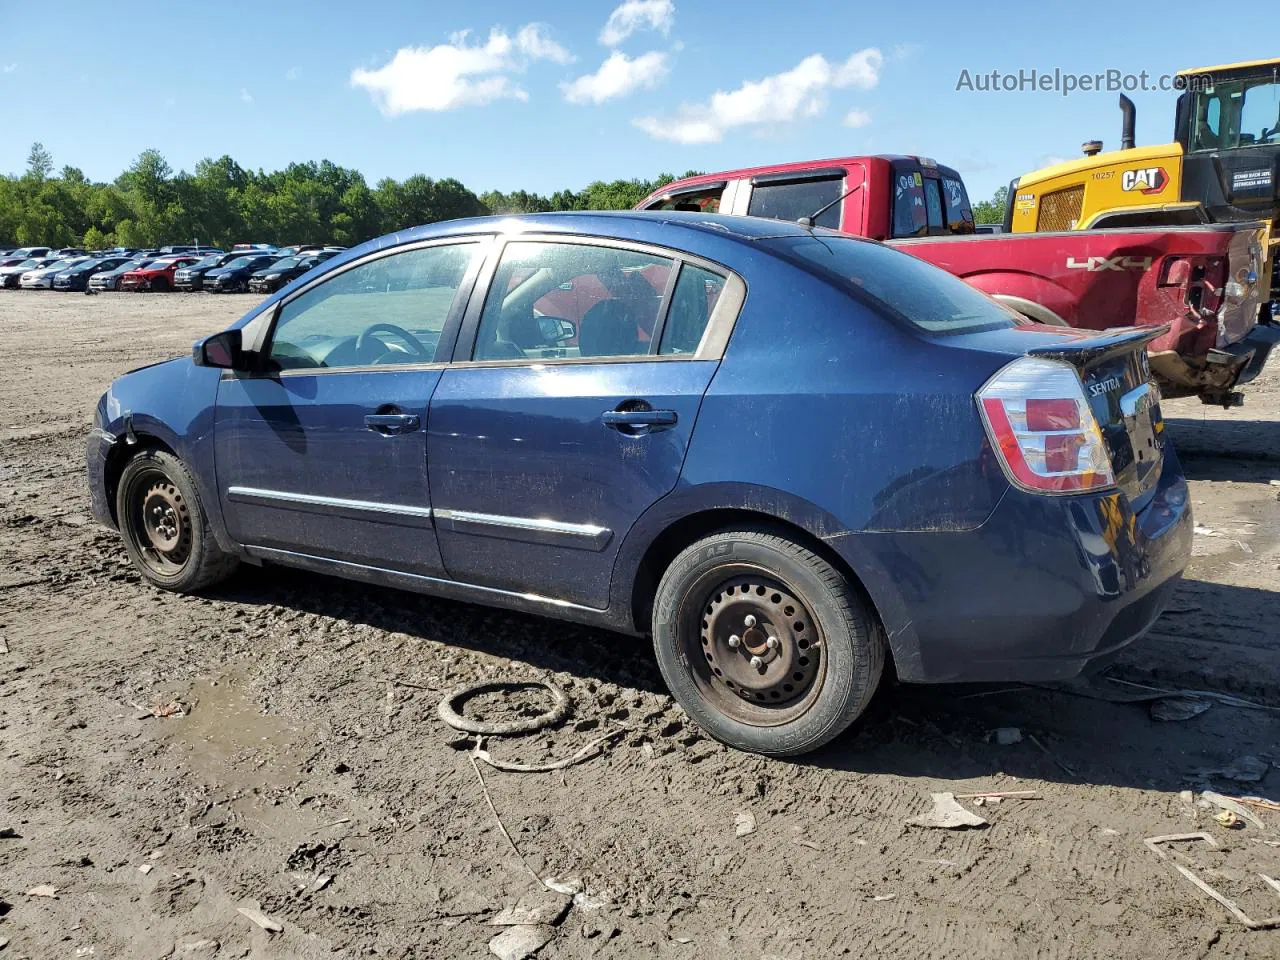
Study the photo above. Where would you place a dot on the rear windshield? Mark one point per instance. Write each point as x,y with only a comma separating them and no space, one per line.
920,293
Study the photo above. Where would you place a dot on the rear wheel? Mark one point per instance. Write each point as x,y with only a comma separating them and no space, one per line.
764,644
165,528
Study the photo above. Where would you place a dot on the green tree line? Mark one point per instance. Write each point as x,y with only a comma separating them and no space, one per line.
221,203
991,211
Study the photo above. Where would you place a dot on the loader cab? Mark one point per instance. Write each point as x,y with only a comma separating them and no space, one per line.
1228,125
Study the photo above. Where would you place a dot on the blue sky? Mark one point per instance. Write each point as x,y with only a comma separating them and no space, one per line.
544,96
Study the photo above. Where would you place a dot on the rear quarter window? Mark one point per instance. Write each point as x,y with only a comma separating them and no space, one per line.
928,298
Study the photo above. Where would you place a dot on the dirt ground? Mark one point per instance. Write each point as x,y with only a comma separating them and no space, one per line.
309,776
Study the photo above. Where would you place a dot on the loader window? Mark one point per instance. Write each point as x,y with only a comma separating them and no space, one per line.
1238,113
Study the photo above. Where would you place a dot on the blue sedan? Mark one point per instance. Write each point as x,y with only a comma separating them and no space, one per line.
790,456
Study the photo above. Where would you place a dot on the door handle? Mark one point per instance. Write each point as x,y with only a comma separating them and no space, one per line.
638,418
390,423
638,421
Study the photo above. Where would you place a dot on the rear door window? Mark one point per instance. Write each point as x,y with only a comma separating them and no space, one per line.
572,301
793,199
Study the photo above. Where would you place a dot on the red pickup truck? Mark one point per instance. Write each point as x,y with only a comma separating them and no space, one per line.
1201,280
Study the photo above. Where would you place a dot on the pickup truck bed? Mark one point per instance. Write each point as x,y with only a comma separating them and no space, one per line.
1097,279
1200,280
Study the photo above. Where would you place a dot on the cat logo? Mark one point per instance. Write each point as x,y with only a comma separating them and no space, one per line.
1146,180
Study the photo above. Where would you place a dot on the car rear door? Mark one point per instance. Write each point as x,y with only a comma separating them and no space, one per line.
550,434
324,453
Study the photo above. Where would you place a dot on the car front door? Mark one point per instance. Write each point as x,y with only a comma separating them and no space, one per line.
323,453
550,434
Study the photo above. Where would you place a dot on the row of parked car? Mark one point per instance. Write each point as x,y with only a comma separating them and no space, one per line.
245,268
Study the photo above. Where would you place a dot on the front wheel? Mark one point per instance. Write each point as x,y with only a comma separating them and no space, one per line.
764,644
164,525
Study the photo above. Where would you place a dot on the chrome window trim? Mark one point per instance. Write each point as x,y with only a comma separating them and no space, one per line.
392,513
582,536
326,371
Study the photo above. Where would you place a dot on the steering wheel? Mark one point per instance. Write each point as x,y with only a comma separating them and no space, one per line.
367,339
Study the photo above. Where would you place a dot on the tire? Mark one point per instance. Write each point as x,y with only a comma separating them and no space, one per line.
177,551
717,607
159,285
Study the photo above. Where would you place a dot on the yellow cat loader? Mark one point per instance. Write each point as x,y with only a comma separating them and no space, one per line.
1223,166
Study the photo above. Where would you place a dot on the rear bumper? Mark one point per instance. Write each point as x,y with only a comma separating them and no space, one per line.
1045,589
1262,339
97,449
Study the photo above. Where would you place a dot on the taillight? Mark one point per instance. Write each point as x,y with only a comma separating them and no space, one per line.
1042,428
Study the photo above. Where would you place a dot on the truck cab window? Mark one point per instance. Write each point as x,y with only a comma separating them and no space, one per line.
909,219
933,206
698,201
793,199
959,213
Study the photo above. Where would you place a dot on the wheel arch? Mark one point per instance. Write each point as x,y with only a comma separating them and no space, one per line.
122,451
682,519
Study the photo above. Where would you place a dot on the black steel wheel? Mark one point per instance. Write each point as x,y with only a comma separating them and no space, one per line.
765,645
164,526
755,648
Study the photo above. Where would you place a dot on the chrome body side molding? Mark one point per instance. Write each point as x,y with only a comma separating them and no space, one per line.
581,536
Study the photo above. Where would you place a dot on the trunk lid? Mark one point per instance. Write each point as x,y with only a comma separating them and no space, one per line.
1114,369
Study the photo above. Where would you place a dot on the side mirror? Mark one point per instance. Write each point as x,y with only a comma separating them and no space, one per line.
220,350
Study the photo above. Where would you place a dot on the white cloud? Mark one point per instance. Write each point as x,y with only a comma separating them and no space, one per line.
291,74
245,95
856,118
618,76
633,15
536,45
457,73
799,93
10,67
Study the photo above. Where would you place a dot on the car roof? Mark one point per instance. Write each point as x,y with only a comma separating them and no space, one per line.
603,223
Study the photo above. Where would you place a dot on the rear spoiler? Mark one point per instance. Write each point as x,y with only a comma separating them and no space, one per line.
1090,350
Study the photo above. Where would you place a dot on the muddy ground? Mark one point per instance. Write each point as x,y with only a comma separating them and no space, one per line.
309,748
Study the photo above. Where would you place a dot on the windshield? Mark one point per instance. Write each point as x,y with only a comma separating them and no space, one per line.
1238,113
88,264
31,264
286,263
239,262
923,295
208,261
